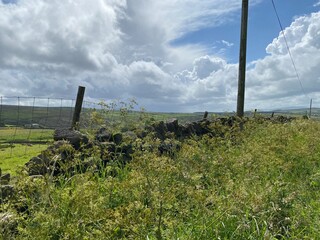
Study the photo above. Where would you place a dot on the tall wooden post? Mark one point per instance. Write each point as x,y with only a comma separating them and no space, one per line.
77,108
242,58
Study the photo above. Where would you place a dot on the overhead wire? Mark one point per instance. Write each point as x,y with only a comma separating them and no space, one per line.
288,48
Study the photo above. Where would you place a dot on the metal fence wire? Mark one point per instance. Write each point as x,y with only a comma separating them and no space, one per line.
27,122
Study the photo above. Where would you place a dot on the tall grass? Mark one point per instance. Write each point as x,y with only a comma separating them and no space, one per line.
259,183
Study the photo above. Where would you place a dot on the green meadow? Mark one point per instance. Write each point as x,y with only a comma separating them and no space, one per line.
13,157
18,145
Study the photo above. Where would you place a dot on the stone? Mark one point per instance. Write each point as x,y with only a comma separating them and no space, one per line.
168,148
187,130
127,150
172,125
6,192
227,121
117,138
8,225
37,166
107,151
130,136
103,135
5,179
75,138
160,129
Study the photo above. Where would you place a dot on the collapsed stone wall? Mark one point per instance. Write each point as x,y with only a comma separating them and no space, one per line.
121,145
70,144
73,152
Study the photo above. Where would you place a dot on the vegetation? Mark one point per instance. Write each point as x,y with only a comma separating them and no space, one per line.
13,157
259,183
13,135
18,145
47,117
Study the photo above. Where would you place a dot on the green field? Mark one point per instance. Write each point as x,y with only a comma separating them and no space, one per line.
52,117
13,157
18,145
17,134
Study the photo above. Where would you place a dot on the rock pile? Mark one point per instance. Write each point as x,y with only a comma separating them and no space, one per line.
70,144
6,190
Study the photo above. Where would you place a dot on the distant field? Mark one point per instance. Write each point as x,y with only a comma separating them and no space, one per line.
13,157
12,134
58,117
52,117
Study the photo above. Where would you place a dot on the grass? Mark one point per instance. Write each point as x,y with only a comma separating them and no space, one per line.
260,183
13,157
50,117
21,134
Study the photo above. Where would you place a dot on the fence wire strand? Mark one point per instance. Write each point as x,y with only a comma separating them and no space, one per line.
31,124
27,121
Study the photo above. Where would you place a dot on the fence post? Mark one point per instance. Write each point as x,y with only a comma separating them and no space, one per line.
310,111
205,116
77,108
1,112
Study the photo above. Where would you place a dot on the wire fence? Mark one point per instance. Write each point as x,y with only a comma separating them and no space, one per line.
27,124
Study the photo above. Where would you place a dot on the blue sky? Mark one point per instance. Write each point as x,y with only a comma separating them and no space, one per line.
169,55
263,27
9,1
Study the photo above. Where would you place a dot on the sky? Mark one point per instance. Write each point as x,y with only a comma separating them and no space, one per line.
168,55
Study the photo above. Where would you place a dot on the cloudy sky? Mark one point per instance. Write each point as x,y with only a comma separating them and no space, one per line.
170,55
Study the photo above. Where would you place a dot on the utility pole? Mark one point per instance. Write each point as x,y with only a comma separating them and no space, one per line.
242,58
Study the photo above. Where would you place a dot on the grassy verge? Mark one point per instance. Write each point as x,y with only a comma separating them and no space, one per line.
261,183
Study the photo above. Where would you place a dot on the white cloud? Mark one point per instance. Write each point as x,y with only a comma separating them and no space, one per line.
120,49
59,33
114,47
273,79
206,65
226,43
317,4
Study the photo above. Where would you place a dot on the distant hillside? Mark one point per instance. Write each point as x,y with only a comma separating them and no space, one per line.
315,112
61,117
57,117
51,117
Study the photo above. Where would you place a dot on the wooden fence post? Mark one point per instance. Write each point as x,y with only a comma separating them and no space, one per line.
310,111
77,108
205,116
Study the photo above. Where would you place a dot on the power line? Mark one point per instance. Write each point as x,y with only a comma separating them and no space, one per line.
288,49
